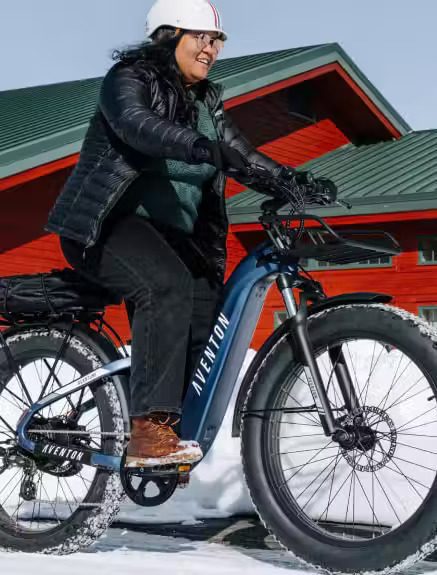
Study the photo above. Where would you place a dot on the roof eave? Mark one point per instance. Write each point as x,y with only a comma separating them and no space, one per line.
389,205
54,152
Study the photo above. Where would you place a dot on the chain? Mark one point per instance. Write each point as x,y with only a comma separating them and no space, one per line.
60,431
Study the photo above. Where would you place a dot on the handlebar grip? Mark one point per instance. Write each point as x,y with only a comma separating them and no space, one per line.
304,178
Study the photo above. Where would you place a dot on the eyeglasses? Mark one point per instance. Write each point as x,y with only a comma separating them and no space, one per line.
204,40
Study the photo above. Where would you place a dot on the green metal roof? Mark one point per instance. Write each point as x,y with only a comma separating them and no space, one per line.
394,176
44,123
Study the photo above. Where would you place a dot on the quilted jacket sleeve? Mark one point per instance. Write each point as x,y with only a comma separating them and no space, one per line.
124,104
235,139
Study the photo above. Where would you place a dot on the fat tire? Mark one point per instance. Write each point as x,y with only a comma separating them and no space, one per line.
414,539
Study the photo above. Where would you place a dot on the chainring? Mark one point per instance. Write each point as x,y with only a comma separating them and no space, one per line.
138,482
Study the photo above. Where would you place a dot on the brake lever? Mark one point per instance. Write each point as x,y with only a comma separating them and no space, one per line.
344,204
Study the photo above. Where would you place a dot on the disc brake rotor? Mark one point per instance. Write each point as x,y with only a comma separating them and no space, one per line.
374,442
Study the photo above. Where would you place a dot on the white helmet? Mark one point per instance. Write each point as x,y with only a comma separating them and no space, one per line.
199,15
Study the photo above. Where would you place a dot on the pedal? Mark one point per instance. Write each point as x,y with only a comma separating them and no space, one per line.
160,470
183,481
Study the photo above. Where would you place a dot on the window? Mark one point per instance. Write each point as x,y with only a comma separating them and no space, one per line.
279,317
428,250
383,261
430,314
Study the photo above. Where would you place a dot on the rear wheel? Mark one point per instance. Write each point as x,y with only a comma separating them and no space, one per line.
369,505
45,506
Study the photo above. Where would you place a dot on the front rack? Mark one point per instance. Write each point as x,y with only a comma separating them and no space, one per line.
352,246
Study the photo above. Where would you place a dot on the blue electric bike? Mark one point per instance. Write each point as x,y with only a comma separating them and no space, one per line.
337,412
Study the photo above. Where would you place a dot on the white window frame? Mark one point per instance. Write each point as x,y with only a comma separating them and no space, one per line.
314,265
420,251
279,316
429,308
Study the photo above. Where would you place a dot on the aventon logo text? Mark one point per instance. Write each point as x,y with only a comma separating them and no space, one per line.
58,451
208,357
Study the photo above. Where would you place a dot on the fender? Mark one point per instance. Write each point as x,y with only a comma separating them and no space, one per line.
331,302
103,348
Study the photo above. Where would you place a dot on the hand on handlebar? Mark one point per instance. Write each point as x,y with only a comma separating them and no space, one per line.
222,156
323,192
301,178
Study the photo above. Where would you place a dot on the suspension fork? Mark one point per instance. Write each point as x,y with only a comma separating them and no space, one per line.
299,317
341,370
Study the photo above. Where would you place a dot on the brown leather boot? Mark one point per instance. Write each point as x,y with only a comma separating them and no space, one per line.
154,442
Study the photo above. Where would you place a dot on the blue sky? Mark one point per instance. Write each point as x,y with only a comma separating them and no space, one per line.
394,42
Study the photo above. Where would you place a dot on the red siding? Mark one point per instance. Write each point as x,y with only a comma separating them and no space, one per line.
306,144
24,246
299,147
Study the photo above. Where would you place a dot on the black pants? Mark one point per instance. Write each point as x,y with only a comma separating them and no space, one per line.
172,305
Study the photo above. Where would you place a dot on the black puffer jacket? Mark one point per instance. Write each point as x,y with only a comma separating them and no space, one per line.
133,127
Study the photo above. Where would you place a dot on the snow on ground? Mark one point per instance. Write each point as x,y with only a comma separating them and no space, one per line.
124,552
200,559
217,487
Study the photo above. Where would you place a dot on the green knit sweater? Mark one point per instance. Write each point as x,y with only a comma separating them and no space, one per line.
171,195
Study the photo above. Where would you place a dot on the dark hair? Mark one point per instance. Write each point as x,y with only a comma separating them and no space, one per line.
159,52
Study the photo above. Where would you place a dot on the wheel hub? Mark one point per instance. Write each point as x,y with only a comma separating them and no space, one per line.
367,438
43,430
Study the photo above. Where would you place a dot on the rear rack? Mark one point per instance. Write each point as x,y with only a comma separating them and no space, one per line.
352,246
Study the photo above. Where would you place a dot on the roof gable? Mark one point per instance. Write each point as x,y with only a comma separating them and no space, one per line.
44,123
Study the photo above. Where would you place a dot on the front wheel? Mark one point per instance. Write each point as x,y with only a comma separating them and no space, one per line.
368,506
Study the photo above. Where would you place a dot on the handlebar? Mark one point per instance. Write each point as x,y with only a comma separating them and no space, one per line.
297,189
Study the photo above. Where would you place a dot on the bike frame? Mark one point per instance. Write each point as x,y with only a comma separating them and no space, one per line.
215,377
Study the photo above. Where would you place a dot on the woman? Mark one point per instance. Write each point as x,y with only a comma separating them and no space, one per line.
143,213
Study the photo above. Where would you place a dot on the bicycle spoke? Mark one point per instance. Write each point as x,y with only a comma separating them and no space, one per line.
311,459
9,482
313,481
302,435
50,503
17,398
406,391
332,483
330,379
382,488
297,423
308,463
415,418
371,372
9,427
309,417
415,427
372,507
403,474
303,450
407,477
353,368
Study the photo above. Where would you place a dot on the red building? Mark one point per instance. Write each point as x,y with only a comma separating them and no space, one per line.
309,106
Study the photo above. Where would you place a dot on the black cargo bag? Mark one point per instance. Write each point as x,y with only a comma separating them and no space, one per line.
51,293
